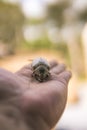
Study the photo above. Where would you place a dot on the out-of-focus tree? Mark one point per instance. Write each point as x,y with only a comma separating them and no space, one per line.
56,12
84,42
66,14
11,22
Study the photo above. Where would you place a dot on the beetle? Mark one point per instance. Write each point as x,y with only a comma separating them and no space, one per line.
40,68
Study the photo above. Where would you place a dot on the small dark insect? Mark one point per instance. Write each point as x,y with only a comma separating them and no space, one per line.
41,69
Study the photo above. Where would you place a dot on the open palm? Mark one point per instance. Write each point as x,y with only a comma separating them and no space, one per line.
45,102
40,103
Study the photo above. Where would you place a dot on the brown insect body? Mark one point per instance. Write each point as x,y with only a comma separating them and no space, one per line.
40,69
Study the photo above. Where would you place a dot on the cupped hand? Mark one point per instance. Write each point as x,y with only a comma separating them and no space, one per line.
41,104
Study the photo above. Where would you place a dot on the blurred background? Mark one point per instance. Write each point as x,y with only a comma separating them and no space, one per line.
53,29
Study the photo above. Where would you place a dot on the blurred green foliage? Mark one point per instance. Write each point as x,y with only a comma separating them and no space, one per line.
82,16
56,12
11,22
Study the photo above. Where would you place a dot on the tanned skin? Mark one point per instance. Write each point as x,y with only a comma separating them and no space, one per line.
26,104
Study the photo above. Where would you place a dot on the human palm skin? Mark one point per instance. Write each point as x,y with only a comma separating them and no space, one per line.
41,104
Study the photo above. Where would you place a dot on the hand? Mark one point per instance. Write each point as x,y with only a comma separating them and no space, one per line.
40,103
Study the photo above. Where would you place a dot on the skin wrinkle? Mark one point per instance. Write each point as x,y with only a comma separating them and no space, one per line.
38,120
11,118
41,104
36,115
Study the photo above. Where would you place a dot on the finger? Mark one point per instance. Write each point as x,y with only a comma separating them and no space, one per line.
26,67
25,72
53,63
64,76
29,66
58,69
